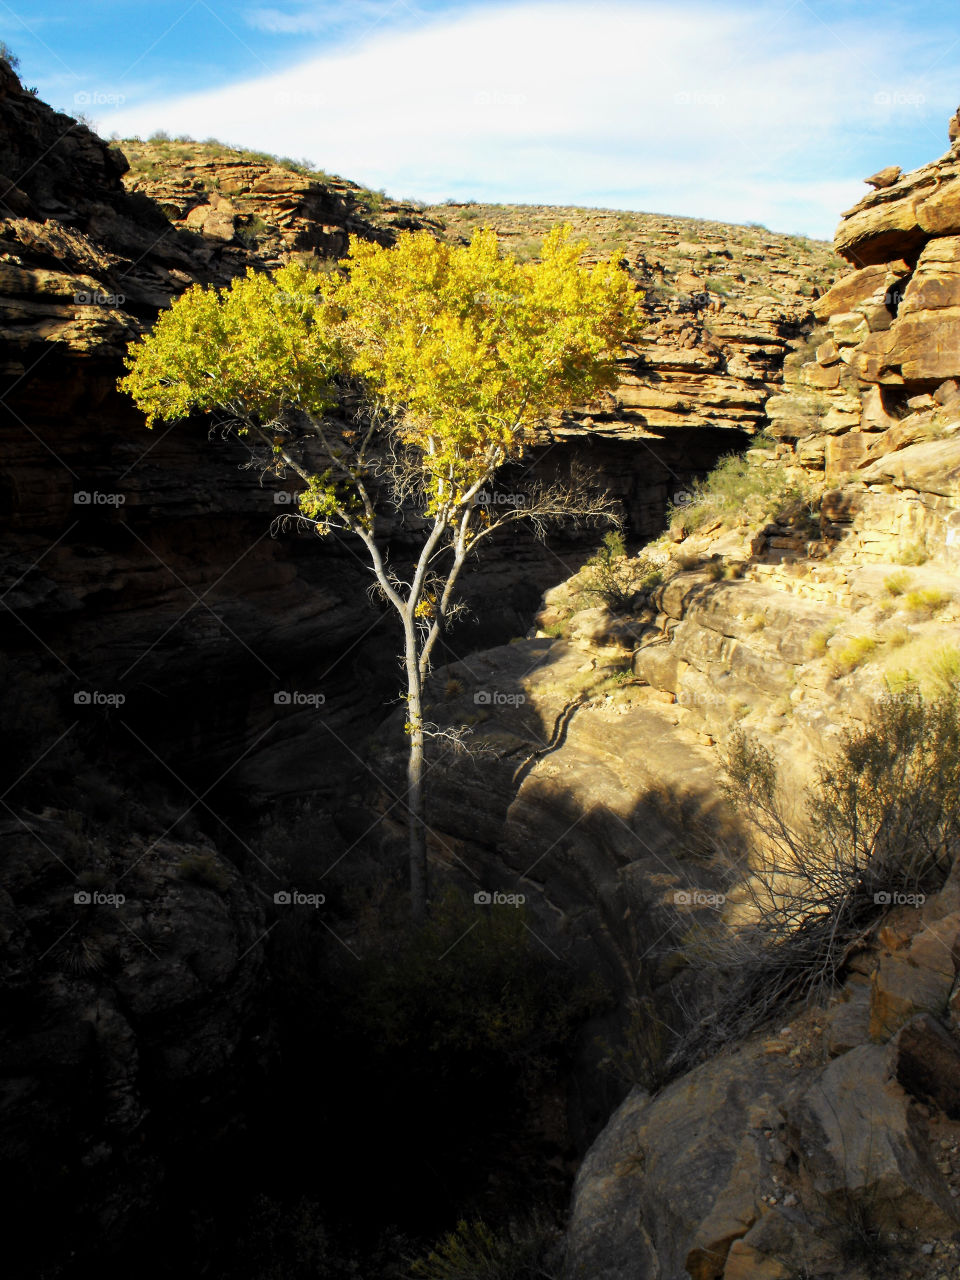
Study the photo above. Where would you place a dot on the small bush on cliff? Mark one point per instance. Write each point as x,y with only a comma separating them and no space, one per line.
524,1250
926,603
850,655
613,579
913,554
738,488
608,577
881,818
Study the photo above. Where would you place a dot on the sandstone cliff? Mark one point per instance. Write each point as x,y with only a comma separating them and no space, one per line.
827,1146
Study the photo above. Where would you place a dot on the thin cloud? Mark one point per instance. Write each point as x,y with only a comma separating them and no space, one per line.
716,111
321,19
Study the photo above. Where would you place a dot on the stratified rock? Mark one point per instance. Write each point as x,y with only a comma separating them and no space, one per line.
885,177
860,286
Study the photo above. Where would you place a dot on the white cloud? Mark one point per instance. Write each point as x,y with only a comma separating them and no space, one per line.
711,111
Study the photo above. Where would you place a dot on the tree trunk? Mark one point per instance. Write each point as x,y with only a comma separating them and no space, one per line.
416,826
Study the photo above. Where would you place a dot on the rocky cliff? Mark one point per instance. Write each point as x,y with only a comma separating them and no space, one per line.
781,605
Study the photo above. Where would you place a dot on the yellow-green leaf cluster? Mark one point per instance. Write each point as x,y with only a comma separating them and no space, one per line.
257,347
468,349
474,348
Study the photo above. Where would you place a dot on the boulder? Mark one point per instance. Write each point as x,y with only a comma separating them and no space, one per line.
939,214
851,290
880,232
885,177
674,1180
917,979
859,1139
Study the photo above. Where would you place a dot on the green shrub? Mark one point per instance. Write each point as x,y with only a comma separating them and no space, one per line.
926,602
848,656
914,553
8,56
945,669
253,232
523,1250
895,637
205,869
896,584
737,488
609,578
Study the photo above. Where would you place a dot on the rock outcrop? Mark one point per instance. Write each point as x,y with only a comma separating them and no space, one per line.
259,205
787,1155
839,1132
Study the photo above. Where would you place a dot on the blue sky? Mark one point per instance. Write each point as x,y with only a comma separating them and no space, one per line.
771,111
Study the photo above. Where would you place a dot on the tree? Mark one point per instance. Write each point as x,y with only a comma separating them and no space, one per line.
449,356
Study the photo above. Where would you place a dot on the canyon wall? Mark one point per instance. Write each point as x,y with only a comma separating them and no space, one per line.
835,1130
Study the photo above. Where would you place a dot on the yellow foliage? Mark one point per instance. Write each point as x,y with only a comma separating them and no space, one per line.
466,348
473,348
259,346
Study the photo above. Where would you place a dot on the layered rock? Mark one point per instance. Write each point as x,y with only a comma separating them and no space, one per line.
724,304
254,202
